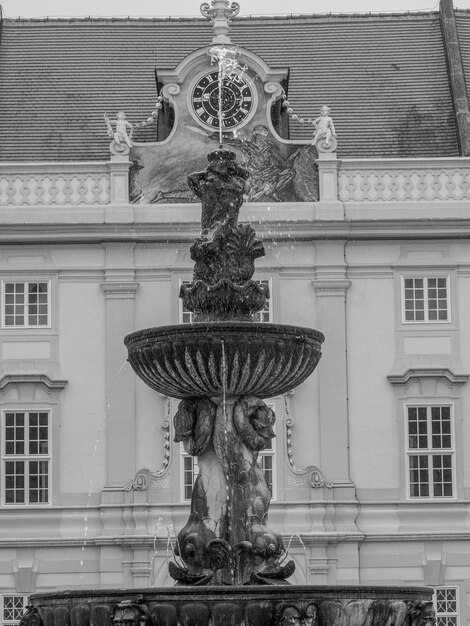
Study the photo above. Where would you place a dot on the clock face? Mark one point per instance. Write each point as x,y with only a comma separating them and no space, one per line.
237,101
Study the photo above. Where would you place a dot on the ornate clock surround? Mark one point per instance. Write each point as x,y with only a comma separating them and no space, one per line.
179,83
239,100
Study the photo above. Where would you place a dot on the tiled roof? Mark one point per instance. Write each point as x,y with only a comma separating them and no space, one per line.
384,77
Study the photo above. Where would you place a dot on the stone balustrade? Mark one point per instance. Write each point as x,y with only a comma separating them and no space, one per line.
349,180
57,184
404,180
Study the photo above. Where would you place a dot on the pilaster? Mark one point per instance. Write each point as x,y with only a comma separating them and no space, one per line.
329,207
119,179
119,210
119,288
331,284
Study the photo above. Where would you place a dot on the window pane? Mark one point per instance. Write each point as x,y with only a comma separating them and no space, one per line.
190,471
265,463
38,481
26,304
419,476
442,478
14,482
26,479
446,607
13,609
425,299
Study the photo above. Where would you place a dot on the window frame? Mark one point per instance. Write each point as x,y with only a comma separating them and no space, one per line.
26,325
271,452
430,452
426,277
26,457
183,456
3,621
445,614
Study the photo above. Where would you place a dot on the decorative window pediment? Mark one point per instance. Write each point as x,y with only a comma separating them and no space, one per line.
427,381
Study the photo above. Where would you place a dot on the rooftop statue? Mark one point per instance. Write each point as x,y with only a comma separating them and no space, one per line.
122,142
324,138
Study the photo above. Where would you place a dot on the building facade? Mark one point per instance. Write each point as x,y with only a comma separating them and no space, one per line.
367,242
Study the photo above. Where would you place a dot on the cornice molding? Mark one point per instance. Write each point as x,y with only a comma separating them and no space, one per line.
181,231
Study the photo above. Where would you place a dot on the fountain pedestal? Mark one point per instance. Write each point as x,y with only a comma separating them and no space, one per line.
234,606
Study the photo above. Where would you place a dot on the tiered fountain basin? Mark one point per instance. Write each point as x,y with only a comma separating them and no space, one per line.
235,606
231,358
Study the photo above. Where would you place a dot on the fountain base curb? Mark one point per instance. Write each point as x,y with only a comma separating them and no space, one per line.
234,606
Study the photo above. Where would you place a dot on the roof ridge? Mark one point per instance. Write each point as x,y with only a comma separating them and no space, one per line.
253,16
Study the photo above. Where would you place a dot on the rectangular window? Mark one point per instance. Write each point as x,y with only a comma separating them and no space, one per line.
25,304
446,606
425,299
26,457
265,315
185,316
12,608
430,452
266,464
190,471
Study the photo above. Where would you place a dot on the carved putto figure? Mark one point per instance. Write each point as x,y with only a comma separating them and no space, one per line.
422,614
325,133
121,140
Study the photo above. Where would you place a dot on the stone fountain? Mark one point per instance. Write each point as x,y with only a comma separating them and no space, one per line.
230,567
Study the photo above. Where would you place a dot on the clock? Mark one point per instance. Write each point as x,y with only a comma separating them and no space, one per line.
238,101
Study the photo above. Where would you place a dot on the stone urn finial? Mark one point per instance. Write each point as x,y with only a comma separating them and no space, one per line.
220,13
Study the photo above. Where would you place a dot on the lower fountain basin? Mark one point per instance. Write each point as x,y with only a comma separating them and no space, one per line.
235,358
219,606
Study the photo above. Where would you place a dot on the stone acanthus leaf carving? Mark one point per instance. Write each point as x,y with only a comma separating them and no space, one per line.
314,473
51,187
144,478
426,183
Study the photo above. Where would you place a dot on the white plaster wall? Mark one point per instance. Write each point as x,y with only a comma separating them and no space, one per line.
83,402
372,411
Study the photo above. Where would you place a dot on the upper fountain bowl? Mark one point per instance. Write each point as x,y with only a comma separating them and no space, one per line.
235,358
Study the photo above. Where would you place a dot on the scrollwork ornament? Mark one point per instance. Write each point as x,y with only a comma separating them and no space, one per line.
316,476
143,477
